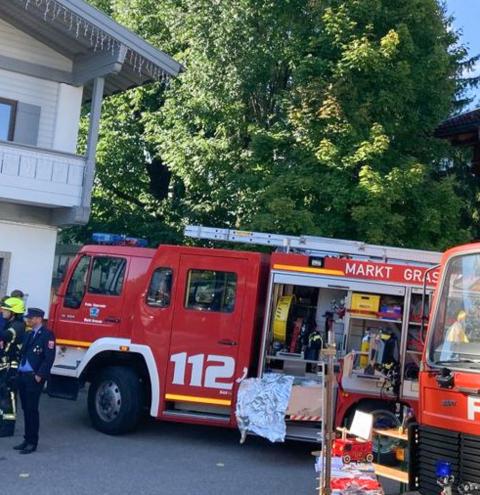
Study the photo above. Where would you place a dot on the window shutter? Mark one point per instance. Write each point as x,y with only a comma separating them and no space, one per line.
27,121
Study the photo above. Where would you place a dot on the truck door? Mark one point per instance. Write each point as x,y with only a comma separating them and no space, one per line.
92,306
206,331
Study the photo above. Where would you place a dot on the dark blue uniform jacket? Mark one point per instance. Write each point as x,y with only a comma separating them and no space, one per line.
39,350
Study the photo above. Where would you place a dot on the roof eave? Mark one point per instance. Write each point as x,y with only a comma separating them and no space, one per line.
123,35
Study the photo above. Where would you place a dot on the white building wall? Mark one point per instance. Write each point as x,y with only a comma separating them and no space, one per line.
60,103
17,44
68,118
32,252
37,92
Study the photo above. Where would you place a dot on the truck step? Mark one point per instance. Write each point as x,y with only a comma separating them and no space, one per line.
197,415
303,433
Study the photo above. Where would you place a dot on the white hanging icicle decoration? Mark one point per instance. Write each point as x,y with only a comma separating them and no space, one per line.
77,29
98,39
141,64
47,9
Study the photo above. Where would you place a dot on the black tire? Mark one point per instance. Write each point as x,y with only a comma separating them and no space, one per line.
115,400
346,459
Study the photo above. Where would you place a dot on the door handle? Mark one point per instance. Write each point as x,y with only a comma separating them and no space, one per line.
227,342
111,319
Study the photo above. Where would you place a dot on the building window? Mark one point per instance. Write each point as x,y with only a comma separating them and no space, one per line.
107,276
159,292
7,119
209,290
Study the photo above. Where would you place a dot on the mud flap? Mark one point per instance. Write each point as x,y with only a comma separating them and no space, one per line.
63,387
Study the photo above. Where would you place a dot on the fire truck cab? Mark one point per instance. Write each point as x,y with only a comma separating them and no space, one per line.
449,419
175,330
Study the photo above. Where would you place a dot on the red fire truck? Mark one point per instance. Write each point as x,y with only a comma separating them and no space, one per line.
449,431
176,329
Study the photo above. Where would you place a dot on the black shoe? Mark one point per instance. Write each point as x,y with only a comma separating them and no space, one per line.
21,446
28,449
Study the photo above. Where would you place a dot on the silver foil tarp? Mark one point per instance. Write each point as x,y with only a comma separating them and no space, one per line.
262,404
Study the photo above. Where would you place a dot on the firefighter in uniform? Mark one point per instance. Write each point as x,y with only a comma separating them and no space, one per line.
37,357
11,339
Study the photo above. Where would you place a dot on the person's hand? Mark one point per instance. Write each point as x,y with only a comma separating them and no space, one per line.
38,379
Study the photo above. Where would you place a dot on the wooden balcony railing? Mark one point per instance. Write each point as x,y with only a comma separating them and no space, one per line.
36,176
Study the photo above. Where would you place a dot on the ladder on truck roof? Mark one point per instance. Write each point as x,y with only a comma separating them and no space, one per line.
315,245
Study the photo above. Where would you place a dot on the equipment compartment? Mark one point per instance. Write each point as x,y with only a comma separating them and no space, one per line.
301,317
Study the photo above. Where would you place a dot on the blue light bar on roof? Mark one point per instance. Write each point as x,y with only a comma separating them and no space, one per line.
118,240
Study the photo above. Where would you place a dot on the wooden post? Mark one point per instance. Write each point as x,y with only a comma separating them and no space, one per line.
328,432
92,139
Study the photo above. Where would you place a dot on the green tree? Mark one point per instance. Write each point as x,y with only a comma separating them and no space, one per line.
292,116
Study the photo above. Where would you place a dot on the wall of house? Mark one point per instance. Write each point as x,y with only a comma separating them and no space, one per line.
69,104
17,44
31,250
36,92
59,104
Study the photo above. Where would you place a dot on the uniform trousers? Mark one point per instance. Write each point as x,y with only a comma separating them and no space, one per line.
30,391
7,403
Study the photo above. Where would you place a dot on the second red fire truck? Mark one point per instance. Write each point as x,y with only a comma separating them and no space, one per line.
175,330
446,444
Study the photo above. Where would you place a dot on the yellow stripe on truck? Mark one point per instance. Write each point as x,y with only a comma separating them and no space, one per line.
203,400
73,343
309,269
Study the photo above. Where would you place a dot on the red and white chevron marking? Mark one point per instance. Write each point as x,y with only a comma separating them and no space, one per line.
295,417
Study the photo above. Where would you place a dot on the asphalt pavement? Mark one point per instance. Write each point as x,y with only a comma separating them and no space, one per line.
160,458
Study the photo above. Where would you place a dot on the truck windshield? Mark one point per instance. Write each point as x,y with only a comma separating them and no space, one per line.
455,336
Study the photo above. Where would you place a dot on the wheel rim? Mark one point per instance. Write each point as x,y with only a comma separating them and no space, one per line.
384,419
108,401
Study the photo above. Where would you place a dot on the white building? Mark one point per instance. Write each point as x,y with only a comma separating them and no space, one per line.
54,56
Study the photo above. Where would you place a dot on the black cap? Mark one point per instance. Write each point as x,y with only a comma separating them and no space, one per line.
33,312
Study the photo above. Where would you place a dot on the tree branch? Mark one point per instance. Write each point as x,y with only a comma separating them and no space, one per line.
123,195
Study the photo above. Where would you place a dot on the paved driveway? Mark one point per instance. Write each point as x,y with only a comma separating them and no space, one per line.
161,458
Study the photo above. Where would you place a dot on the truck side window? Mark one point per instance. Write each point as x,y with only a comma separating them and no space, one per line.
209,290
107,276
78,284
160,288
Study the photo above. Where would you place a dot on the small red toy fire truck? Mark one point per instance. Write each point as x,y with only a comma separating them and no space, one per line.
353,449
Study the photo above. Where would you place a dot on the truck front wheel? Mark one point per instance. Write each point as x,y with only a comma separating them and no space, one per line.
115,400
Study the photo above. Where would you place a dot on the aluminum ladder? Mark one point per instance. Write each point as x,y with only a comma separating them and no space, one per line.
315,245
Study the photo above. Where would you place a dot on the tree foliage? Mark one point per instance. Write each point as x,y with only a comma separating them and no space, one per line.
291,116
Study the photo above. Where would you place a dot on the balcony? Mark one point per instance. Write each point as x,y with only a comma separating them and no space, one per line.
40,177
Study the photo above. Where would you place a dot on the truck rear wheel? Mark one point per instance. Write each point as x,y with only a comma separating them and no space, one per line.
115,400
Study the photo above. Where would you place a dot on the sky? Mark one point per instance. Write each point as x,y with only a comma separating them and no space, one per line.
467,17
